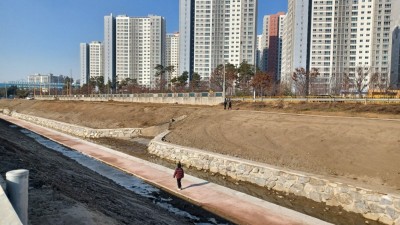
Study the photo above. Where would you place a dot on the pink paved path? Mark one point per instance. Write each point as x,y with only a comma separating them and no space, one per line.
235,206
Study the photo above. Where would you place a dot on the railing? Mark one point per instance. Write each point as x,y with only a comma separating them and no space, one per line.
320,99
214,98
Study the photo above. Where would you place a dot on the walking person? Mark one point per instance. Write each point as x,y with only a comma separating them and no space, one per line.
225,103
229,104
179,174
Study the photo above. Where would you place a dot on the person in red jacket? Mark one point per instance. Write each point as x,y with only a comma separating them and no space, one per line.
179,174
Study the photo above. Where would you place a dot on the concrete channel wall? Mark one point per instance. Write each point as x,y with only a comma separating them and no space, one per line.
8,216
76,130
371,204
166,98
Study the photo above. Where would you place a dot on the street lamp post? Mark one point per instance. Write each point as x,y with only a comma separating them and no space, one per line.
255,72
223,84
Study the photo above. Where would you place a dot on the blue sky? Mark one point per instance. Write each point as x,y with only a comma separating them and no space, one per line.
43,36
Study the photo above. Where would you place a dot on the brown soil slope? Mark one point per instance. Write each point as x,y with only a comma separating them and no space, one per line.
366,150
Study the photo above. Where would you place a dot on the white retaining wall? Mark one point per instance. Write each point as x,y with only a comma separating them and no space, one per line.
371,204
76,130
152,98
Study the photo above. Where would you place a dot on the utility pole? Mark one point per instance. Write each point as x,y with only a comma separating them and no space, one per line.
49,83
255,72
223,84
70,82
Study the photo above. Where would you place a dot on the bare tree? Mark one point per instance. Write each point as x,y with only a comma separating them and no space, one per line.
347,83
303,78
379,81
361,79
217,78
261,82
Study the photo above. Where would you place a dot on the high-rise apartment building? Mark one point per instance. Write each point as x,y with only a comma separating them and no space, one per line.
84,61
109,49
186,34
342,37
295,38
38,78
96,59
272,35
172,54
261,52
214,32
140,46
347,35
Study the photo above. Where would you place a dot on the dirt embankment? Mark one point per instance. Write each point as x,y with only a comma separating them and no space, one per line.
362,149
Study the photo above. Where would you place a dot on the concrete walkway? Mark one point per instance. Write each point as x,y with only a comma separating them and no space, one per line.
233,205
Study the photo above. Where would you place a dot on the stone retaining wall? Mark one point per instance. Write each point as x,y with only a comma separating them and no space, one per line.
76,130
371,204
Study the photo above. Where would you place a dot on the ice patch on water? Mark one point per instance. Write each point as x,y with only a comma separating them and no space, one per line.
212,221
166,199
176,211
124,179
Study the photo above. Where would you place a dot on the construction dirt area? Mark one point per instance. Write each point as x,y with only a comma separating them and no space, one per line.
355,142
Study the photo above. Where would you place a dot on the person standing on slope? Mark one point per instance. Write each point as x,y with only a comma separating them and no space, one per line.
179,174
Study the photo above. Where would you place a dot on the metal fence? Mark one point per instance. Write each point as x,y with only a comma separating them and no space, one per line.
213,98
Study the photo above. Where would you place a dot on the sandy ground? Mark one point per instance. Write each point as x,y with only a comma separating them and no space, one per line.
61,191
363,150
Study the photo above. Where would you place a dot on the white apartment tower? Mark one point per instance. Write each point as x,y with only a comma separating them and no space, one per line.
140,46
109,49
215,32
346,35
186,33
84,61
295,39
261,52
96,59
172,54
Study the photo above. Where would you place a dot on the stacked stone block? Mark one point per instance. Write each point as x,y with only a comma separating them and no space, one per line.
383,207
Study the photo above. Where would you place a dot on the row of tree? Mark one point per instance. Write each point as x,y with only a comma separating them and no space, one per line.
354,82
238,80
244,79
